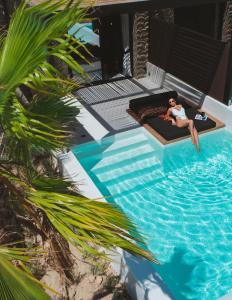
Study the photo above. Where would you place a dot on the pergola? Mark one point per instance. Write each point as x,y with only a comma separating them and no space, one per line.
112,5
146,35
117,6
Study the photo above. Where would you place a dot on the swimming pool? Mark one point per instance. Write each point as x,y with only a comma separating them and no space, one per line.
180,200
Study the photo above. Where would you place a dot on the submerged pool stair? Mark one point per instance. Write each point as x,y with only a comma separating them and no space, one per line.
124,165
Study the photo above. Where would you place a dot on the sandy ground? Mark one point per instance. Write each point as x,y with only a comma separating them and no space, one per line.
93,281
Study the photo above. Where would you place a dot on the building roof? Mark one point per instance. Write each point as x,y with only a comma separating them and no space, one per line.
112,2
165,3
156,3
98,2
105,7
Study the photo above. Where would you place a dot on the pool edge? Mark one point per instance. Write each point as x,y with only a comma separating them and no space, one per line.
150,286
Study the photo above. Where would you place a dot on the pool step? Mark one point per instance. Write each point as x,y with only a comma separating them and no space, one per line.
129,171
109,152
127,154
126,141
120,186
135,190
124,163
109,144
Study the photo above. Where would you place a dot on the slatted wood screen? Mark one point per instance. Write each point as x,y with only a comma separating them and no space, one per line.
188,55
161,39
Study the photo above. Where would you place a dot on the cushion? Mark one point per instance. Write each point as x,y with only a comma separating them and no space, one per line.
153,112
165,118
155,100
170,132
200,124
143,109
166,129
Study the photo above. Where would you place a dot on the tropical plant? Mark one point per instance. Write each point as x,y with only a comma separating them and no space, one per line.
16,281
36,111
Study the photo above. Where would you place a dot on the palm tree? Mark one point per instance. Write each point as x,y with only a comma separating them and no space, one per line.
17,282
35,116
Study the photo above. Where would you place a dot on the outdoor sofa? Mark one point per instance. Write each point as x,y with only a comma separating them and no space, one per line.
163,128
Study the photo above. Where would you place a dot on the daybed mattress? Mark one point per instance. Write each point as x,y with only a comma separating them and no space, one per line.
170,132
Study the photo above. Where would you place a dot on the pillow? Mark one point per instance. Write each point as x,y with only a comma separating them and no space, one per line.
143,109
153,112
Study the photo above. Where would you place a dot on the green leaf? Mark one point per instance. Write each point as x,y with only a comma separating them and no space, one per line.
18,283
31,31
25,59
82,222
85,222
43,125
50,184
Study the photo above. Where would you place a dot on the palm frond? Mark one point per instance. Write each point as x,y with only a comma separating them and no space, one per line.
82,222
27,45
85,222
21,254
30,34
24,131
24,59
51,184
43,126
17,282
47,79
63,110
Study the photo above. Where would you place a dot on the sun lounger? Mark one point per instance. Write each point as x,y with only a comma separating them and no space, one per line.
162,129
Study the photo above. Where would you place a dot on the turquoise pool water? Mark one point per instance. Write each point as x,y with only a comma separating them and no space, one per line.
180,200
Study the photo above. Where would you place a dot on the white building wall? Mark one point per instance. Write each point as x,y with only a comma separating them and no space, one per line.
218,110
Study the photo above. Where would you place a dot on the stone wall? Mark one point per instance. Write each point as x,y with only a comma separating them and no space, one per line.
140,43
227,23
141,37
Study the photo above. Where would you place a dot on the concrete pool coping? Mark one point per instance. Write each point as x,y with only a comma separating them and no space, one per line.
139,277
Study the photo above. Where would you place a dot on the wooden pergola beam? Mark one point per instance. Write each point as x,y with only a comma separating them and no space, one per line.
104,7
115,5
